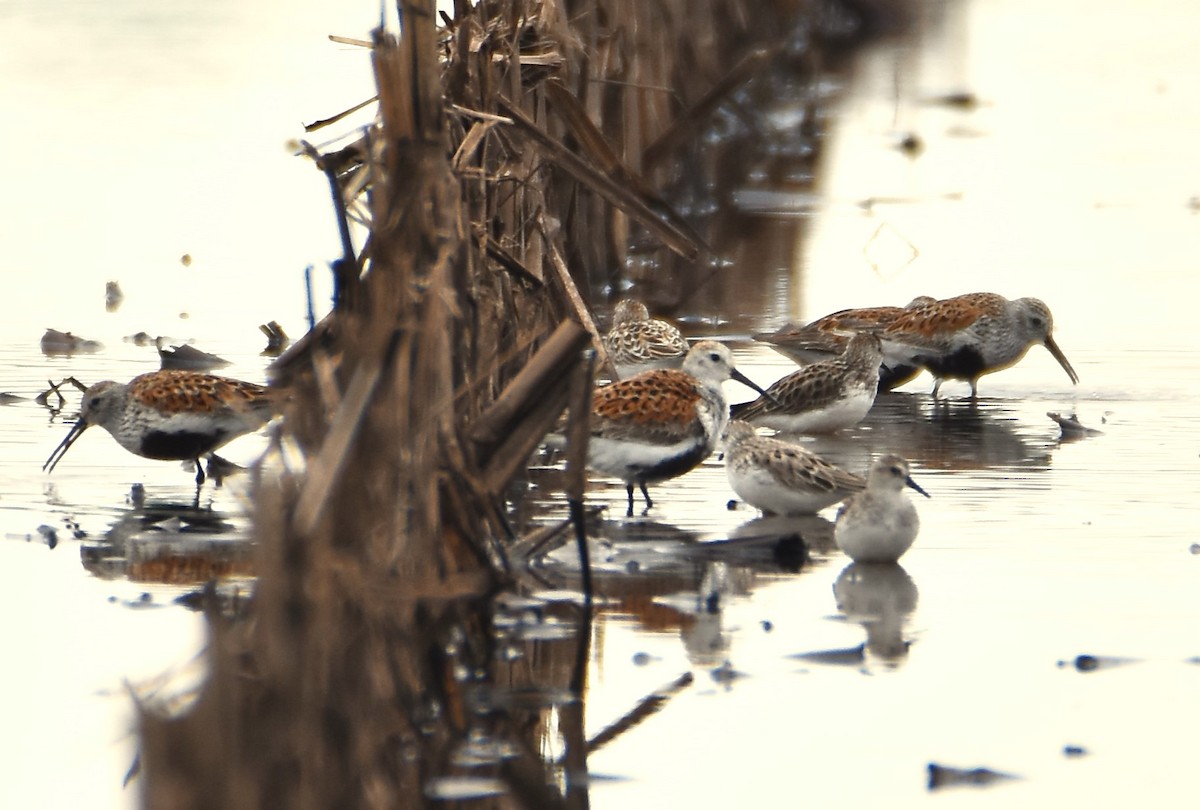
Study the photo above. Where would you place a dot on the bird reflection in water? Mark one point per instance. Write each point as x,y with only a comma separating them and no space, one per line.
169,543
984,435
880,597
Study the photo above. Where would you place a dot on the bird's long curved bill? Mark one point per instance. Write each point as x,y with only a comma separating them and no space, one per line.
916,486
746,381
1061,358
76,431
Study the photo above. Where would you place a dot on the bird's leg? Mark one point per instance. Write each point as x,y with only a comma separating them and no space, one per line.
937,383
629,492
645,494
199,473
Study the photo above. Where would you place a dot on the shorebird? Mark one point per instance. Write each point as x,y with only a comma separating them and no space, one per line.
821,397
782,478
826,337
636,342
661,423
966,337
171,415
879,524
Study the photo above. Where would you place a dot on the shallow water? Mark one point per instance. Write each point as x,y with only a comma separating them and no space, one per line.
812,681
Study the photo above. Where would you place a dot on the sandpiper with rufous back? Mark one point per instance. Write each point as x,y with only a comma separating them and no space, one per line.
968,336
171,415
661,423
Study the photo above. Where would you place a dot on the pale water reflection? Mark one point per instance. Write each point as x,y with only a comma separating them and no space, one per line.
784,675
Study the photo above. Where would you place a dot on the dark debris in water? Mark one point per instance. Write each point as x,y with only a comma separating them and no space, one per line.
188,358
1071,427
56,342
849,656
1090,663
725,674
112,296
140,602
53,398
943,776
141,339
49,535
277,339
231,600
958,99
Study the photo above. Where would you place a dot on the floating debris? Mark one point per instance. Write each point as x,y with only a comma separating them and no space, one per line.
112,296
277,339
1072,428
56,342
188,358
942,776
1090,663
849,656
910,144
221,468
8,399
44,397
963,100
1074,751
49,534
227,598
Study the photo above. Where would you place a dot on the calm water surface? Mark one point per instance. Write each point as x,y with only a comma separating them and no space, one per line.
1071,181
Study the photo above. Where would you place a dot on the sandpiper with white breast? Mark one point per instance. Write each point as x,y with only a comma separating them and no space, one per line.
659,424
171,415
966,337
636,342
821,397
780,477
879,524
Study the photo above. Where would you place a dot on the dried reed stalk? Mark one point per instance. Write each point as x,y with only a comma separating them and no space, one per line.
498,202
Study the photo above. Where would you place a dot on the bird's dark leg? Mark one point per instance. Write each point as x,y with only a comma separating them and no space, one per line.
199,473
645,494
629,492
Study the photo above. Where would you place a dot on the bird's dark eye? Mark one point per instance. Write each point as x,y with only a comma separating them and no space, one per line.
715,357
896,471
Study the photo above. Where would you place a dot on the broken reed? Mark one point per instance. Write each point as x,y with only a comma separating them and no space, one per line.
517,148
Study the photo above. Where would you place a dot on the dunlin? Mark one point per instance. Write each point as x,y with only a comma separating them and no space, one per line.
826,337
965,337
821,397
780,477
661,423
171,415
879,524
636,342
